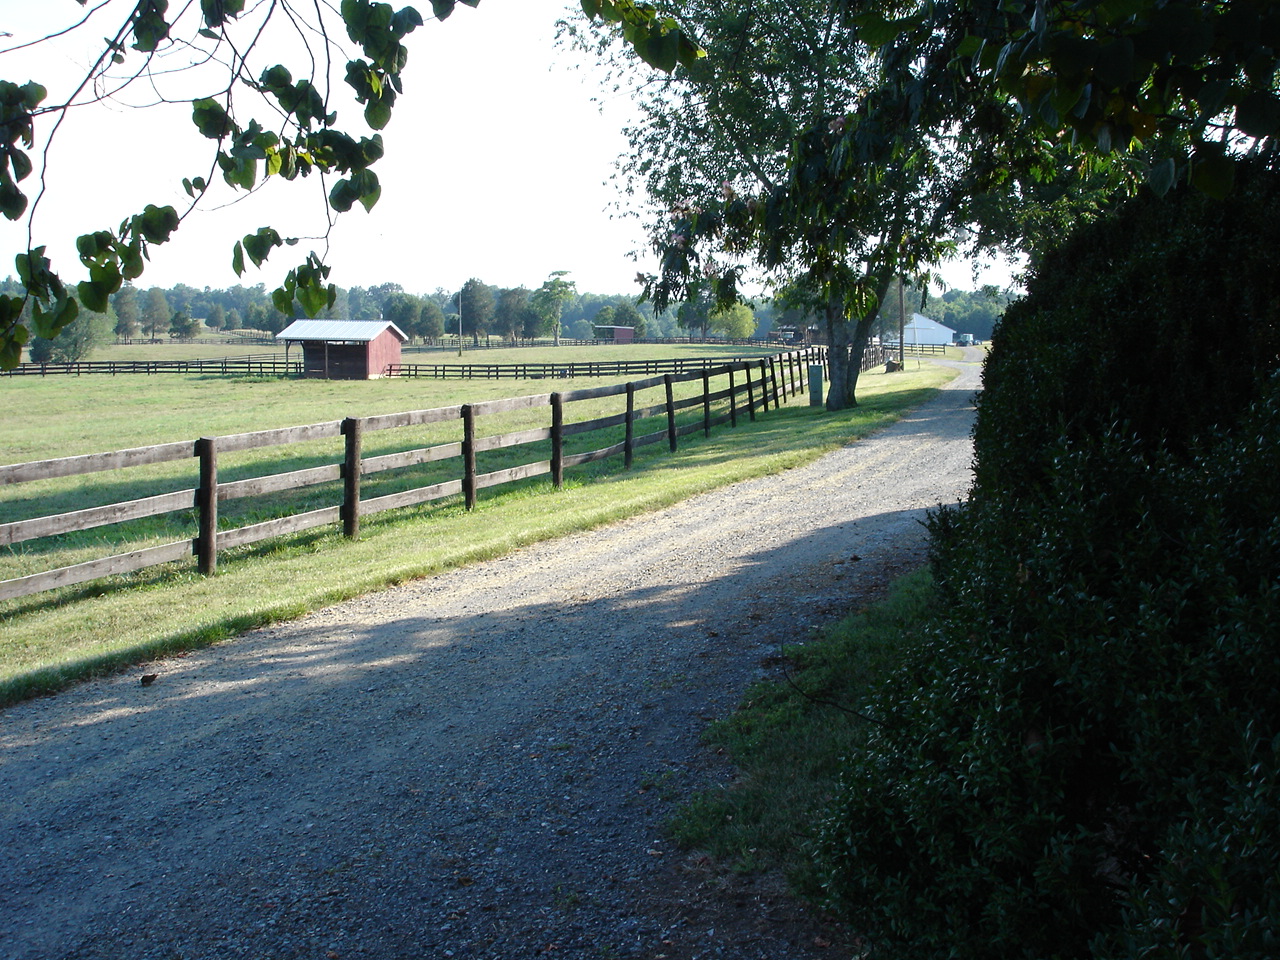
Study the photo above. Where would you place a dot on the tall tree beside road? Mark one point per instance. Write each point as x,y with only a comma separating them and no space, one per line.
128,312
431,320
216,317
476,304
733,320
804,147
549,299
405,311
155,313
510,312
713,153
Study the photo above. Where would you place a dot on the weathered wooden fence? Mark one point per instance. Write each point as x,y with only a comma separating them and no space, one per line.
760,384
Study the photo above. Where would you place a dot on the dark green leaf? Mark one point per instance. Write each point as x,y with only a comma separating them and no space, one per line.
259,245
21,164
1162,176
211,119
377,113
661,51
131,265
282,299
217,12
13,202
405,21
343,196
32,94
156,223
149,25
93,296
237,259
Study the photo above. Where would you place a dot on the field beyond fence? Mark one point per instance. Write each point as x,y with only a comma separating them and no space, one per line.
344,470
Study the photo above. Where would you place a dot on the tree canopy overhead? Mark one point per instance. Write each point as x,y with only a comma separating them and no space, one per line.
1000,121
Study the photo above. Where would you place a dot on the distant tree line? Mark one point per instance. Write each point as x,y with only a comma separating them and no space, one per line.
554,309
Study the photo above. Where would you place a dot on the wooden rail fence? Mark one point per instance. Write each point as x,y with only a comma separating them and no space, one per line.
767,381
268,365
554,371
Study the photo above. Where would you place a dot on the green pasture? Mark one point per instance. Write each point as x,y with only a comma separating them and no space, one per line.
54,638
445,352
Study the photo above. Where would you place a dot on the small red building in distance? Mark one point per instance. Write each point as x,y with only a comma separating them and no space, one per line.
345,349
616,334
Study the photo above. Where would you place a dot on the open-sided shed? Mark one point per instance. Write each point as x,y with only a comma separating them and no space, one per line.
615,333
345,349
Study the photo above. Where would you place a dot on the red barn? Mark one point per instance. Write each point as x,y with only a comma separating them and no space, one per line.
345,349
615,333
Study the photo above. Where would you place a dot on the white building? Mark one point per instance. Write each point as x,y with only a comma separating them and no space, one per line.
920,329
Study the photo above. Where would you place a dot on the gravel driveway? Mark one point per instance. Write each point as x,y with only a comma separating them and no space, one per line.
473,765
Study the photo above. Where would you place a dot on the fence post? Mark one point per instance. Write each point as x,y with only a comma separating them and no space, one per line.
751,394
557,440
207,501
353,432
706,401
733,399
469,456
628,446
764,387
671,412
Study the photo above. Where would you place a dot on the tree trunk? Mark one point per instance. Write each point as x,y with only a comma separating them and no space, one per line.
838,394
861,334
847,357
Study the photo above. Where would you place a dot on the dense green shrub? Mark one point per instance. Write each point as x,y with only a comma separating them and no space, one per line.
1083,760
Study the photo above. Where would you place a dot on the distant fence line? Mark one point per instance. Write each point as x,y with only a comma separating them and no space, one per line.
549,371
768,380
267,365
271,365
927,349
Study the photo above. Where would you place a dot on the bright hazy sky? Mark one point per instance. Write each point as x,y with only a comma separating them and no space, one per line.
496,166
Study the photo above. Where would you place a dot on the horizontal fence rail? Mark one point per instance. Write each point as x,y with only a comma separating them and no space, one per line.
269,365
925,349
554,371
752,387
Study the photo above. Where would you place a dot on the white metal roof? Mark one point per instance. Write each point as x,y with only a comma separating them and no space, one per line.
359,331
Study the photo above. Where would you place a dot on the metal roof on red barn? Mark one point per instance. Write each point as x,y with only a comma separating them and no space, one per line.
349,331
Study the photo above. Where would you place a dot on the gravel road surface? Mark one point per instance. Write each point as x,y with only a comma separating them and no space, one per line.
476,765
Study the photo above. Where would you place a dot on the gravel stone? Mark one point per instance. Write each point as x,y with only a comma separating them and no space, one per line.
474,765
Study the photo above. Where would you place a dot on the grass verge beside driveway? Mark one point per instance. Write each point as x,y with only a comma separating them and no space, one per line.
789,737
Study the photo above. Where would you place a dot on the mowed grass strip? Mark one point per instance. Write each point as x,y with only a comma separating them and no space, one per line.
53,639
790,738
